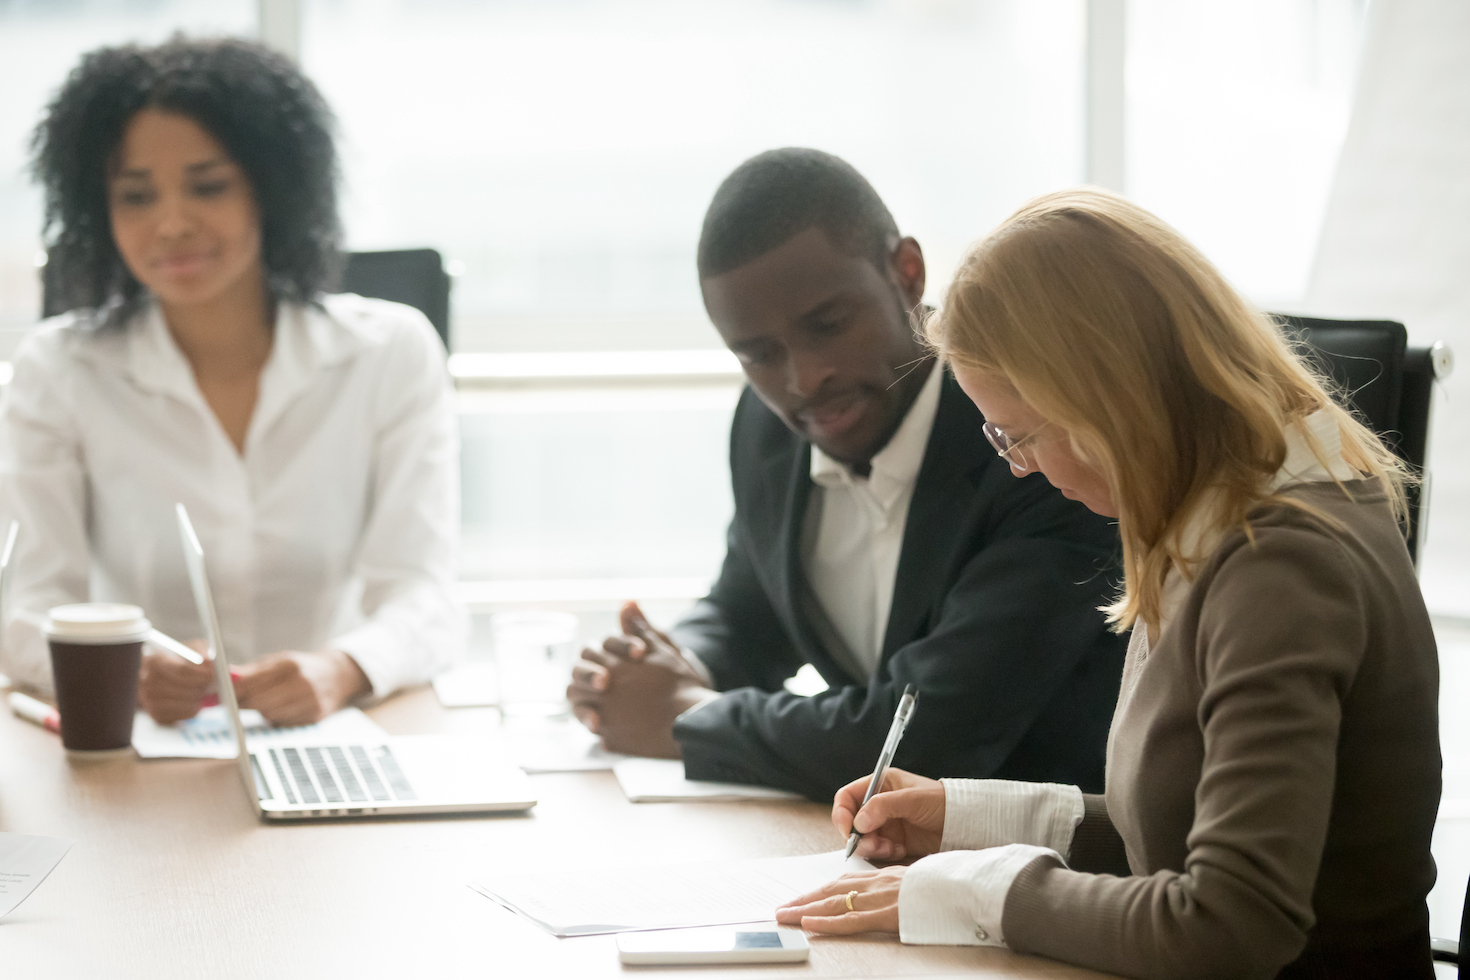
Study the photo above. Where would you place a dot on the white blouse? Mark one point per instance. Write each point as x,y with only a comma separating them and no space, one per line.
336,528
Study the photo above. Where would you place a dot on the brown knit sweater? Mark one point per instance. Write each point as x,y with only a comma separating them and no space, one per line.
1273,770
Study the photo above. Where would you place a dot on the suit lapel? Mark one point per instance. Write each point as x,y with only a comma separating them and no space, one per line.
956,455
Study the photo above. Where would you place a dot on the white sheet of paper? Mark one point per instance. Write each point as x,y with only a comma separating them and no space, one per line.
208,736
563,745
589,903
25,861
662,781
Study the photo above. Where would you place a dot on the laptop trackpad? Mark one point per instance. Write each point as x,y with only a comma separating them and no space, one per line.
453,769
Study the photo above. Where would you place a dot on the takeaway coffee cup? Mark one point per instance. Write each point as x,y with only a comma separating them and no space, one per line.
96,650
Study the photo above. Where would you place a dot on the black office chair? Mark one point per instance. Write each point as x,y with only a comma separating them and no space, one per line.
412,276
1447,950
1388,383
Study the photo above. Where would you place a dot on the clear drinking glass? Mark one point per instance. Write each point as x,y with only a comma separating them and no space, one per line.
533,658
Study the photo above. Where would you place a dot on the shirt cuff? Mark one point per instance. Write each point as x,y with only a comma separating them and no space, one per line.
982,813
705,676
958,898
375,651
710,698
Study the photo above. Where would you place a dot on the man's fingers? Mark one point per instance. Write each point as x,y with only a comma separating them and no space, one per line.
588,717
616,649
579,693
635,624
589,674
631,619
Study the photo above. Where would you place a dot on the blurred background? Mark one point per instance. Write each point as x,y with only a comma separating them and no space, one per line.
560,154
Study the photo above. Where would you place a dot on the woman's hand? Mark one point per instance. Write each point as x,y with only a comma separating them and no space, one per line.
295,688
865,901
905,819
170,688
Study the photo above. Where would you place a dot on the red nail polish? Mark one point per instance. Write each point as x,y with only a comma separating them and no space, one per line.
210,700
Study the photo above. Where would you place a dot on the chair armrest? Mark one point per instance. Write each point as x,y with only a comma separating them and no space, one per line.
1445,950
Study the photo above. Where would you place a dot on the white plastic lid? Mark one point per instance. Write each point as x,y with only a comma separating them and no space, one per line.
97,622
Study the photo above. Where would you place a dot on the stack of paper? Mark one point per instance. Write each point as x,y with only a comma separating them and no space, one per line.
588,903
662,781
208,735
25,861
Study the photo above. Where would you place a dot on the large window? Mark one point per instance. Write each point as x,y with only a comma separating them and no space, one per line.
562,152
1236,113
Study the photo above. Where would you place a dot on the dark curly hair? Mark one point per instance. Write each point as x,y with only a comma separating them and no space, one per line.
268,117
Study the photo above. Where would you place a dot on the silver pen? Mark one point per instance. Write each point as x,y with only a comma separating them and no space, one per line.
890,745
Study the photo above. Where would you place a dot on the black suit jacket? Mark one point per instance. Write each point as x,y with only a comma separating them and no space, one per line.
994,618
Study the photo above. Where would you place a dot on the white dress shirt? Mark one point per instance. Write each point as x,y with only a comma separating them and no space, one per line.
336,528
993,828
853,534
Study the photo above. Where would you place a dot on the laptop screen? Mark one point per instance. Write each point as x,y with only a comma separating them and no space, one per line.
204,602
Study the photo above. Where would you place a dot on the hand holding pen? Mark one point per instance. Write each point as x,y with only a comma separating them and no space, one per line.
893,814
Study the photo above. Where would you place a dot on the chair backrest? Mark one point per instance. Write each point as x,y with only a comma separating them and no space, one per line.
1387,383
412,276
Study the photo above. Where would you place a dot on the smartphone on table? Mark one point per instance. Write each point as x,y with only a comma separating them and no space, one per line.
759,943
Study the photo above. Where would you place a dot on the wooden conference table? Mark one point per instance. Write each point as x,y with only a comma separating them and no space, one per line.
171,876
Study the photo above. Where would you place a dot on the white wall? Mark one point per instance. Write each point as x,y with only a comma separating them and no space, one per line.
1396,239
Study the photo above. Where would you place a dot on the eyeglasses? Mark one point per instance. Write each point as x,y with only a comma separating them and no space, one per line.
1009,449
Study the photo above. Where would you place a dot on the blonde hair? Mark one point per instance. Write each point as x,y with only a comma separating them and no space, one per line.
1112,326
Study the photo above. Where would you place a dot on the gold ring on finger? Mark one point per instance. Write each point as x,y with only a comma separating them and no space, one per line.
849,900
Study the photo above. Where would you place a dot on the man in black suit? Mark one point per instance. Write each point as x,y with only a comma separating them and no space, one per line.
877,535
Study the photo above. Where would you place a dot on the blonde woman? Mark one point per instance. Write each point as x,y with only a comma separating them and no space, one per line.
1273,768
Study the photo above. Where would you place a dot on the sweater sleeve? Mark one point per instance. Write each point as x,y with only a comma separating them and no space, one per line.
1096,843
1273,678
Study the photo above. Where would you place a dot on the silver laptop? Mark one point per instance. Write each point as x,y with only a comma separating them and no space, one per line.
383,777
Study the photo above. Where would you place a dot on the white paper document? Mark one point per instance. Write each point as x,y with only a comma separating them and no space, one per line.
208,734
561,745
662,781
589,903
25,861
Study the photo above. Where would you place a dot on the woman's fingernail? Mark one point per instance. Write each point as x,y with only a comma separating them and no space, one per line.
234,674
210,700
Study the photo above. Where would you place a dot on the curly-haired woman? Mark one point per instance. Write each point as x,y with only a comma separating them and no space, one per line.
1273,768
192,226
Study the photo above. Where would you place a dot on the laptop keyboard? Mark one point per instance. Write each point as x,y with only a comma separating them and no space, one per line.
334,774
